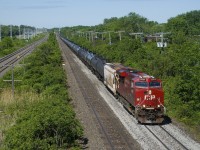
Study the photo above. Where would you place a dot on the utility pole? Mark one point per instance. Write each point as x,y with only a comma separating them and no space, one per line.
19,33
12,80
28,33
92,33
11,31
120,35
35,32
110,42
24,33
86,35
96,35
109,38
91,36
0,32
102,36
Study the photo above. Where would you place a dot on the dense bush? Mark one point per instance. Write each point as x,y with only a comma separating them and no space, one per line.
47,124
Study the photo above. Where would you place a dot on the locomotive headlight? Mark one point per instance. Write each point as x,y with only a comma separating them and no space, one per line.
158,105
138,99
143,105
150,92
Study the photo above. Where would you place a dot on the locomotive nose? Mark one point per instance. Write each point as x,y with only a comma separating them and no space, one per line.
152,98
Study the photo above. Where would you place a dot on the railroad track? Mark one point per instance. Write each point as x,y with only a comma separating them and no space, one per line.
110,128
175,143
16,56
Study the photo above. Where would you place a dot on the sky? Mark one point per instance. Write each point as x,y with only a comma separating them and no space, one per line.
62,13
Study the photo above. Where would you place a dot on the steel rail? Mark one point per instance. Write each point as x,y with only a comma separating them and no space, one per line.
177,141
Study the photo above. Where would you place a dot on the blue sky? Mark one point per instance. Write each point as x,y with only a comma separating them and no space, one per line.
61,13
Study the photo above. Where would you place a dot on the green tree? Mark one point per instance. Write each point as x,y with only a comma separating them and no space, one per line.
7,43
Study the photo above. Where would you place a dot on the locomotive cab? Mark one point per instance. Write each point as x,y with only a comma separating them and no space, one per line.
149,100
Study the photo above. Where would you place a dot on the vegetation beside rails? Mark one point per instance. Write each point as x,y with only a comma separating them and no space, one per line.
40,115
9,45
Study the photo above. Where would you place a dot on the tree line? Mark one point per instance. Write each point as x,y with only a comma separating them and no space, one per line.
16,30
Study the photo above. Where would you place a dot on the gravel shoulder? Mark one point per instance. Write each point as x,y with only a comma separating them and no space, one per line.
92,136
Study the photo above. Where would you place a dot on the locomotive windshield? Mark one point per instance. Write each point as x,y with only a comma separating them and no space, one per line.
154,84
141,84
146,84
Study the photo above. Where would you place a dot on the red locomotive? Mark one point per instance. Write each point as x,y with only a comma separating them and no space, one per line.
140,93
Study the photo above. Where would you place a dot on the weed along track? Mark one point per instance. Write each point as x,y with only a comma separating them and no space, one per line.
109,128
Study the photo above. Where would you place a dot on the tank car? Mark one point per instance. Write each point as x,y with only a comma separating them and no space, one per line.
89,57
94,63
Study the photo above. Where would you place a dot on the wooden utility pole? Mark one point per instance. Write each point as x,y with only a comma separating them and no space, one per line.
0,32
12,80
11,31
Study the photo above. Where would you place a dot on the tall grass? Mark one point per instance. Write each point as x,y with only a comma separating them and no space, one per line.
11,106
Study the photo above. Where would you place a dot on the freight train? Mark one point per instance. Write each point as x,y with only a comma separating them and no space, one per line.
141,94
